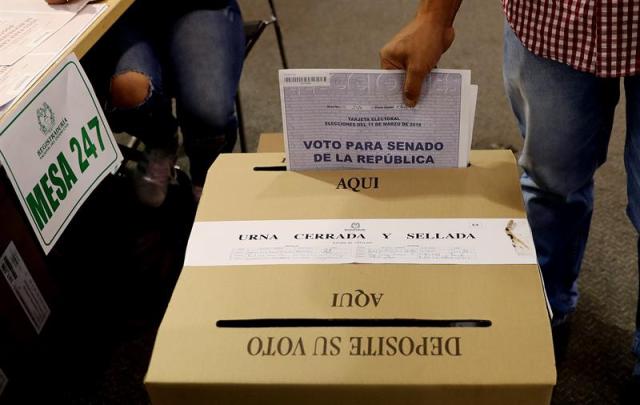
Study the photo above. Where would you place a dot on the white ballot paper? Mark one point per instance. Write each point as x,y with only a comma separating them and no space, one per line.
15,79
25,24
336,241
356,119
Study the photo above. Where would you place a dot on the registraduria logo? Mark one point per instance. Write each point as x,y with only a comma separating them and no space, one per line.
46,119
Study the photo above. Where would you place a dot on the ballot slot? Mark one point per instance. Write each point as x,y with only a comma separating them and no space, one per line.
351,323
270,169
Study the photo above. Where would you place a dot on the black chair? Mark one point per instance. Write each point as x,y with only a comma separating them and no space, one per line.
252,32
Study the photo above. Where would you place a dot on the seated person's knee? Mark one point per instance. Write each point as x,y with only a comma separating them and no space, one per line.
130,89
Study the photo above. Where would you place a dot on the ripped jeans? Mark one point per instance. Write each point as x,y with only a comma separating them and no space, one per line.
195,57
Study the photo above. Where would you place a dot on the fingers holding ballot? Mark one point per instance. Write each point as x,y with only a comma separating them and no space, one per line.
418,46
367,119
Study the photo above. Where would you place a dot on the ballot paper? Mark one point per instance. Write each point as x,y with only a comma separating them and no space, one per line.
15,79
25,24
356,119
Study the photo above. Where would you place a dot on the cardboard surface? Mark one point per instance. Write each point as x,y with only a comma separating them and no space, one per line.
236,191
443,334
271,142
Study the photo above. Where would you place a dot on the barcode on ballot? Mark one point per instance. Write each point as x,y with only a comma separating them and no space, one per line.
306,80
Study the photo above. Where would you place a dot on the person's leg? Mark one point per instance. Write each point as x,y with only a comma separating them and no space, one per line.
207,52
632,164
565,117
137,104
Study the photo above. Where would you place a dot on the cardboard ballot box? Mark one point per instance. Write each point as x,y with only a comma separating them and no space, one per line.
271,142
376,333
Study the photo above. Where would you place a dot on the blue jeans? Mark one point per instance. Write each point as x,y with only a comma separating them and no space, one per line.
565,117
195,57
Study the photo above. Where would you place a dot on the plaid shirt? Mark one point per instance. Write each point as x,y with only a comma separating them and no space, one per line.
595,36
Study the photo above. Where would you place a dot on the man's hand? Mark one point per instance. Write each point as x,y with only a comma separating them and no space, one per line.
58,1
417,49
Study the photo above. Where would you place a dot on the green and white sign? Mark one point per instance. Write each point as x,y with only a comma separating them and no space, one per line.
56,148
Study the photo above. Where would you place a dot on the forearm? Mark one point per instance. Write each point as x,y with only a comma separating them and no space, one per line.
439,11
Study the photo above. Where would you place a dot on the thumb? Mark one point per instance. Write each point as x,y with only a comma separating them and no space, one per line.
413,84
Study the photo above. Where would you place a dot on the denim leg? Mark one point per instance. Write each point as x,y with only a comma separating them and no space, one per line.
565,117
206,49
632,164
152,121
